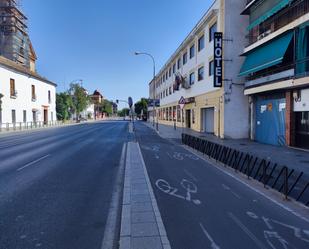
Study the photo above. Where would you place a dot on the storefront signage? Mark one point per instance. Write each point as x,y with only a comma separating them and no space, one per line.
190,100
218,59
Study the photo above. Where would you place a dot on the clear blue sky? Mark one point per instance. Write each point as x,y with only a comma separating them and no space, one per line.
95,40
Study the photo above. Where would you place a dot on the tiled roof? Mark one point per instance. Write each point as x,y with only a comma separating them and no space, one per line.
21,69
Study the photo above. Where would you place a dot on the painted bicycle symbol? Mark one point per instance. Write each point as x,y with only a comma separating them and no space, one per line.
273,238
190,188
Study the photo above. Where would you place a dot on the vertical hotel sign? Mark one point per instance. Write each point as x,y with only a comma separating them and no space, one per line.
218,59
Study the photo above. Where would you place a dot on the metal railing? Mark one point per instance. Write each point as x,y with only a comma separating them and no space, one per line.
279,20
282,68
20,126
287,181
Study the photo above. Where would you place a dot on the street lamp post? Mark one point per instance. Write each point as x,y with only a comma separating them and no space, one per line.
154,87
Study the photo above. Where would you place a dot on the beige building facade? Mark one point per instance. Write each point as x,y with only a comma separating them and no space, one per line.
189,73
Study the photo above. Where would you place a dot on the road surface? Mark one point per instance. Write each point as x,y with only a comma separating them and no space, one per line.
56,185
203,207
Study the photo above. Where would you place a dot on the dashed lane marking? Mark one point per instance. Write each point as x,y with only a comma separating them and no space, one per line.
32,163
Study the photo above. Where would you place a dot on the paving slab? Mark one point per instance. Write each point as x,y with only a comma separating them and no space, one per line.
141,222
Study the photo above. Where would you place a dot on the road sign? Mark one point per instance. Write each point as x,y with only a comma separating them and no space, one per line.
130,102
182,102
154,102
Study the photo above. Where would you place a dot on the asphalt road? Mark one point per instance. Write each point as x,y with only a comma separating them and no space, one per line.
56,185
203,207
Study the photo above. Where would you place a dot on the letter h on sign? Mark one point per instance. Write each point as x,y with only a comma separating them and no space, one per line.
218,59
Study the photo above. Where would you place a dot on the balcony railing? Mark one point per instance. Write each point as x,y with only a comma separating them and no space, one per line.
281,19
285,71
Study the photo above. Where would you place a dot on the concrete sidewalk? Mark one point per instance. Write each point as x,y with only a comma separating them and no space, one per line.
141,222
293,158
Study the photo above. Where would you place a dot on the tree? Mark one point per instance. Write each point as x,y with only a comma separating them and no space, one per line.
63,105
140,106
124,112
80,99
106,107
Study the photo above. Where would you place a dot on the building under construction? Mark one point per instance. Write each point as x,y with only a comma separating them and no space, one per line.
15,44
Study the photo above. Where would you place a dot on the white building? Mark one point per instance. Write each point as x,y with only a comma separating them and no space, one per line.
27,97
223,110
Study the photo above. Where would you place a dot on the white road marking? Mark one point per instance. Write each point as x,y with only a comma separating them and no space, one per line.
190,175
266,221
229,189
247,231
252,188
190,188
33,162
213,244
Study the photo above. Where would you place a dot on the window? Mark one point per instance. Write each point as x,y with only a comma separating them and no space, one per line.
170,72
163,77
174,68
24,116
212,31
184,58
174,113
193,116
49,97
200,74
178,63
166,75
178,113
12,88
166,92
201,43
33,96
170,90
13,116
191,78
192,51
211,68
34,116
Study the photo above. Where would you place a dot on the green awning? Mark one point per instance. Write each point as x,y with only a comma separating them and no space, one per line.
269,13
267,55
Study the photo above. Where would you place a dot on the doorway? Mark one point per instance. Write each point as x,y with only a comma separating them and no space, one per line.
302,129
188,118
208,118
270,121
45,116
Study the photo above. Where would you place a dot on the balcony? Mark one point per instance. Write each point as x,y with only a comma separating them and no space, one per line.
279,20
281,72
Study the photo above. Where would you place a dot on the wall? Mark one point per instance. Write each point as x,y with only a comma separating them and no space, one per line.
236,107
303,104
24,99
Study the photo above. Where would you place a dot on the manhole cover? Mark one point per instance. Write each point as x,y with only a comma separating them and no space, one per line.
243,144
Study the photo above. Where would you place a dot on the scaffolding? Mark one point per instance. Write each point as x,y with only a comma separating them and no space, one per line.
14,39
